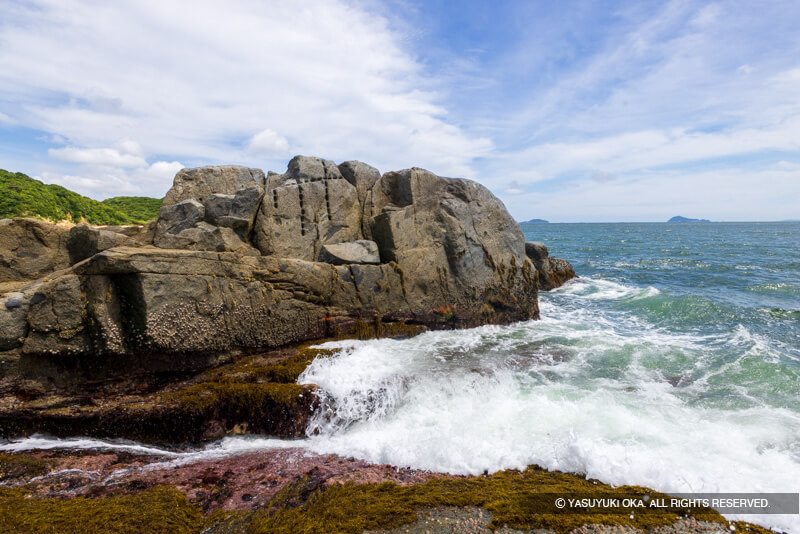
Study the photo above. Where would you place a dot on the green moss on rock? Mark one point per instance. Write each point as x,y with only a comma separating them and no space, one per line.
246,400
289,370
13,466
523,500
159,510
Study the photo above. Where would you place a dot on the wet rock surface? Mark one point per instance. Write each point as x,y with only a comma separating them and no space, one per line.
284,489
252,394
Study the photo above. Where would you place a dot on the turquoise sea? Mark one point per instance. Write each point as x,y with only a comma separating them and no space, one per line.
672,362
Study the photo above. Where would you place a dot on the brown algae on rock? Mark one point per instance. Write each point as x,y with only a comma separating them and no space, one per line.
159,510
522,500
315,502
13,466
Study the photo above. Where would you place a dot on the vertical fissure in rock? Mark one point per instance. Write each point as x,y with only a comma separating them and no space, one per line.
327,193
302,209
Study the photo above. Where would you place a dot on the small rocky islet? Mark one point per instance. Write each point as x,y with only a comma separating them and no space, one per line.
197,325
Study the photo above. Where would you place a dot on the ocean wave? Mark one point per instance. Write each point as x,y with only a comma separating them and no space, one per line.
483,413
600,289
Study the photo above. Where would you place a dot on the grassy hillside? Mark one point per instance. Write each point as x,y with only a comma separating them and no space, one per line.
139,208
22,196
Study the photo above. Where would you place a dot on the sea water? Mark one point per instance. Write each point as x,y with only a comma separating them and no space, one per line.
673,362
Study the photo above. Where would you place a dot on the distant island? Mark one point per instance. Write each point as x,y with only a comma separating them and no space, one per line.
679,219
536,221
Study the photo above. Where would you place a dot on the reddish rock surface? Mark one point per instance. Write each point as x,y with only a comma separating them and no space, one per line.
242,481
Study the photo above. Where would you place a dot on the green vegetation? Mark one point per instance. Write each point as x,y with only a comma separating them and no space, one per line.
139,209
245,401
255,369
523,500
159,510
22,196
252,395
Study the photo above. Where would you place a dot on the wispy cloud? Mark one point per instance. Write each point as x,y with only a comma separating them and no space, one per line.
578,107
238,84
662,92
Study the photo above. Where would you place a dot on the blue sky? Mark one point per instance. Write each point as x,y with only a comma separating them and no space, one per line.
568,111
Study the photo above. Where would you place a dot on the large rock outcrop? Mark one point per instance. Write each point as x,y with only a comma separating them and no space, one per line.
238,260
551,272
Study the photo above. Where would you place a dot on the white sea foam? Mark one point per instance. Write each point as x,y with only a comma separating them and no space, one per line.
490,398
41,442
600,289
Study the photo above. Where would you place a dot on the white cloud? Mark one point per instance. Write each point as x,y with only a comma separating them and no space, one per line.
689,84
103,181
653,148
112,157
194,82
269,143
5,119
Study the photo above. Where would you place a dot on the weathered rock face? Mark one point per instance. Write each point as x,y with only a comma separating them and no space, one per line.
451,237
551,272
30,248
13,319
310,205
363,178
85,241
223,224
243,262
202,182
237,211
